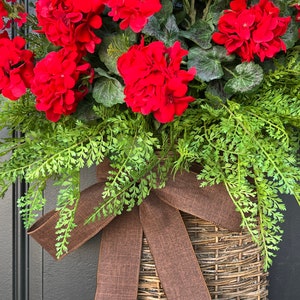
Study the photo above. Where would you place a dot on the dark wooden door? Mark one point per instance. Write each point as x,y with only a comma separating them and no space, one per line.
27,272
285,271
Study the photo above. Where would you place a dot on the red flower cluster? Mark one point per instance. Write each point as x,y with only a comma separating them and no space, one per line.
154,81
59,81
58,84
16,67
20,19
297,6
252,31
69,23
3,14
134,13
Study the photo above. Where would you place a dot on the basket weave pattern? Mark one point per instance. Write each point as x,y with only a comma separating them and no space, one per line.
230,262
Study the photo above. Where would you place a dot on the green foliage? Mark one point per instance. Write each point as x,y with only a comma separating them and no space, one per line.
216,8
32,203
247,78
208,63
168,32
67,203
251,144
48,150
113,46
137,166
243,129
107,89
200,33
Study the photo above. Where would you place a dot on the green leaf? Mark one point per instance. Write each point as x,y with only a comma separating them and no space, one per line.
84,110
291,36
208,62
171,31
248,78
108,91
167,33
152,28
102,72
165,12
216,9
112,47
200,33
216,88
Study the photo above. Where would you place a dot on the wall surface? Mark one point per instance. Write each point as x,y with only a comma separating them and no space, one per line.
30,273
285,271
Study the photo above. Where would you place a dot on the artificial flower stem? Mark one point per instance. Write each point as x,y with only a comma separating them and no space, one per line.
229,71
206,10
190,9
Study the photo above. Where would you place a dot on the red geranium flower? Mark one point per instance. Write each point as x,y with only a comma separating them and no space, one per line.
70,23
3,14
21,19
253,31
16,67
238,5
57,83
134,13
154,81
297,6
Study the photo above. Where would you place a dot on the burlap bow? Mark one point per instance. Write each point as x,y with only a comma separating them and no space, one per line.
158,217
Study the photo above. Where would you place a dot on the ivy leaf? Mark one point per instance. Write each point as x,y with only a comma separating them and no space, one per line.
102,73
249,77
171,31
216,88
85,110
167,33
108,91
208,62
165,12
200,33
216,9
291,36
152,28
112,47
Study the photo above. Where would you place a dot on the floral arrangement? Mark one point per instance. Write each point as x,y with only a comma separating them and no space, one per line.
155,86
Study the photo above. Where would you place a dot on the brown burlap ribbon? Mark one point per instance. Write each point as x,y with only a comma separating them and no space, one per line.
158,217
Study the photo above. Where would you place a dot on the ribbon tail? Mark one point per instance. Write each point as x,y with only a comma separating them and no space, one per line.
119,259
44,232
172,251
211,203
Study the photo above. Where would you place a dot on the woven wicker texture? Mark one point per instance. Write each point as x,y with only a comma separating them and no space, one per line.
230,262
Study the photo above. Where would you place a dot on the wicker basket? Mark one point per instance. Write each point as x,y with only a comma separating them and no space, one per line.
230,262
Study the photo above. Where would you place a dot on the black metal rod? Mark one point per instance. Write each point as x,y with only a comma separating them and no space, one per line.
20,239
20,243
20,248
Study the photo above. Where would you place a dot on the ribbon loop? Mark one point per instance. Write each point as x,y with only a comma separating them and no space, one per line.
44,232
211,203
172,251
119,259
